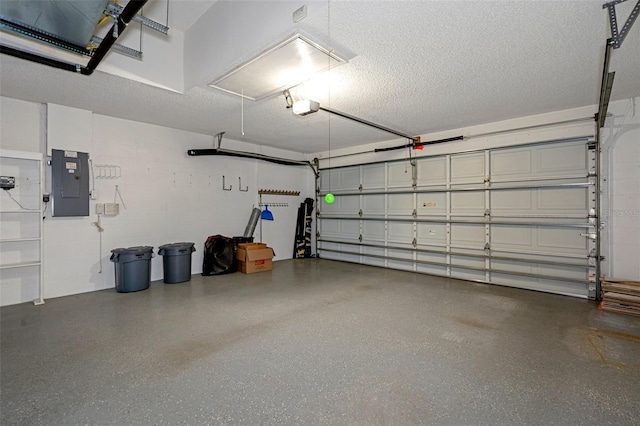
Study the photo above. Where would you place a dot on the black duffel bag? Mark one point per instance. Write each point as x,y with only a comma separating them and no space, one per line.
219,256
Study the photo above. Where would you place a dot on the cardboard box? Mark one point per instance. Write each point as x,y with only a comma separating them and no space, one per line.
252,246
254,257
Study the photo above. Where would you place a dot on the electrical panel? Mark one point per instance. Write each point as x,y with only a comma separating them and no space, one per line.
70,183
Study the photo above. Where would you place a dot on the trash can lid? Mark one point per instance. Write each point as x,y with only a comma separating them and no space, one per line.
133,250
176,246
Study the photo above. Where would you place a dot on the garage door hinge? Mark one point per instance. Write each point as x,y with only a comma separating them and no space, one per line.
414,213
360,237
414,242
487,179
593,255
360,213
591,145
487,212
487,246
360,187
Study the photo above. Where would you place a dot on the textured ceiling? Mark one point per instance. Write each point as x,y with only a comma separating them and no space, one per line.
418,67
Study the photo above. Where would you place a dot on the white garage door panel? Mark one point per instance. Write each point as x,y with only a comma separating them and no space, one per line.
432,171
400,204
344,204
540,269
561,160
517,238
467,203
403,266
532,203
507,238
467,168
373,230
401,254
463,235
347,178
560,202
514,163
377,258
563,200
340,229
432,269
558,287
562,240
399,175
432,204
431,233
539,162
400,232
432,257
466,274
512,202
373,205
473,262
373,176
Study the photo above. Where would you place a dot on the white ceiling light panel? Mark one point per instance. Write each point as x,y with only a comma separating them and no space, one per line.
285,65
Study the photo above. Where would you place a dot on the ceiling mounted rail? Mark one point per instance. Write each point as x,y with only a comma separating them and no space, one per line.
114,9
124,50
618,37
606,86
128,12
369,123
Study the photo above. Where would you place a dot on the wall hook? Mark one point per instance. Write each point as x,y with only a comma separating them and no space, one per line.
223,185
240,185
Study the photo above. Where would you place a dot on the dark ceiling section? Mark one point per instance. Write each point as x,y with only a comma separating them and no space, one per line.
70,21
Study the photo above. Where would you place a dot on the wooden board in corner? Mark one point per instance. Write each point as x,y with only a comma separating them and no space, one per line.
619,280
620,308
622,286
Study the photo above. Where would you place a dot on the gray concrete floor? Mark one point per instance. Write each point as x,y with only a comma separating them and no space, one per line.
319,342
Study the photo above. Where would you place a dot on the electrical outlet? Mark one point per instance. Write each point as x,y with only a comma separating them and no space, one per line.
94,194
99,208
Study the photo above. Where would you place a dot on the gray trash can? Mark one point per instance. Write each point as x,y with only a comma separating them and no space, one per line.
133,268
176,261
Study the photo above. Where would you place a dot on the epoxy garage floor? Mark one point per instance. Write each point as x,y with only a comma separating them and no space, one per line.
319,342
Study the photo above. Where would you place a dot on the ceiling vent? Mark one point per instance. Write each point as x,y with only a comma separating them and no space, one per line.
287,64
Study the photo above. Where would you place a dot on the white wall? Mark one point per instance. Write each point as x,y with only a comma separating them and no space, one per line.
20,123
169,196
621,190
620,167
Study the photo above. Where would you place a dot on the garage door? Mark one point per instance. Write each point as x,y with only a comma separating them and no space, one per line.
520,216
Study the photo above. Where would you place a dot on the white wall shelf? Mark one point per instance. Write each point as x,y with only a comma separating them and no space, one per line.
23,225
15,240
20,265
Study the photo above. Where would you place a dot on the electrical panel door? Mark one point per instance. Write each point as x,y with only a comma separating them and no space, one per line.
70,183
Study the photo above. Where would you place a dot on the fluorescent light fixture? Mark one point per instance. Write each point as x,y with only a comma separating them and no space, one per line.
305,106
287,64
